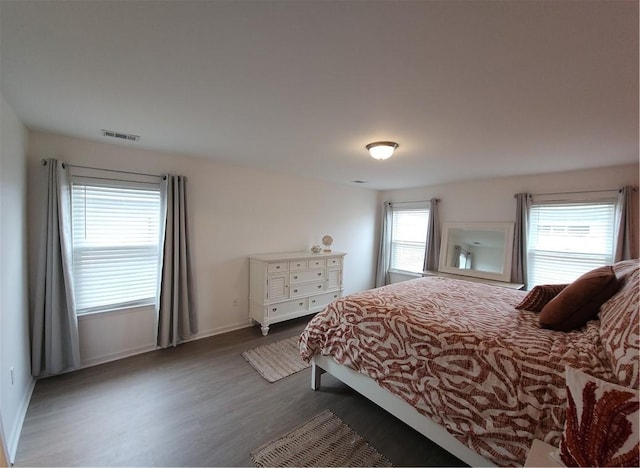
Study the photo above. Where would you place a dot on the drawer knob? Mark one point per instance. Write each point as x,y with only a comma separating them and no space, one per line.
295,290
274,309
295,277
319,274
335,296
277,267
301,304
313,301
319,286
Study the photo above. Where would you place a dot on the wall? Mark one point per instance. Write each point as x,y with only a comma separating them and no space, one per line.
14,307
491,200
235,211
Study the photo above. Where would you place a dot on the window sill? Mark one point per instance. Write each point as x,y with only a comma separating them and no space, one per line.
405,273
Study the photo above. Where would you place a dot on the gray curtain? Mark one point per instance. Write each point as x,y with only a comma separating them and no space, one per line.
177,319
626,222
384,252
432,252
55,345
520,238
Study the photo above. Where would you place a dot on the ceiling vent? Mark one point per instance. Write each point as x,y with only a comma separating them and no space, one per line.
122,136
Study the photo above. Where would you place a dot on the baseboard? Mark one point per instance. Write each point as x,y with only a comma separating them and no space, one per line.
14,434
146,348
117,356
219,330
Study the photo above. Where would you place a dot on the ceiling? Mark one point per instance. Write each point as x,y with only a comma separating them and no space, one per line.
469,89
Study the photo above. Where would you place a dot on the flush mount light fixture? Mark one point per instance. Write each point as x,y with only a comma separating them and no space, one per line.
381,149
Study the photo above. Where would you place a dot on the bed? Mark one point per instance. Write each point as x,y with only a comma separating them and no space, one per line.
459,363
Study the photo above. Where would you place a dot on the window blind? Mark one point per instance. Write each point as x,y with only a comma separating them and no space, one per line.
567,240
116,234
408,239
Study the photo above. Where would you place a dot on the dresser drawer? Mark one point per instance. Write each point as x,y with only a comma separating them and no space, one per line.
298,265
304,289
277,267
322,300
285,308
307,275
335,261
317,263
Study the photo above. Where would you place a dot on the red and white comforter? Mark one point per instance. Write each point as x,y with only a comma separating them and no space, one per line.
463,356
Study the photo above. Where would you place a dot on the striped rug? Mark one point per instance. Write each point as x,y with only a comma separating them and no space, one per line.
325,440
276,360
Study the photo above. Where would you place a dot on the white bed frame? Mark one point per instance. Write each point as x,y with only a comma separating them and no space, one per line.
396,406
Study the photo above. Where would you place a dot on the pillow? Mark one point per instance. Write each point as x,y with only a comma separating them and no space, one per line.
602,426
620,326
580,301
539,296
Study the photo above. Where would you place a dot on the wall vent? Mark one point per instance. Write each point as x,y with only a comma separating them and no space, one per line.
121,135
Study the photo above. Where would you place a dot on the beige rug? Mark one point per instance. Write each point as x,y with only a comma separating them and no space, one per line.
322,441
276,360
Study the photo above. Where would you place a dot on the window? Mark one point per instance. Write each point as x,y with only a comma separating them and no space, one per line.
408,239
116,237
569,239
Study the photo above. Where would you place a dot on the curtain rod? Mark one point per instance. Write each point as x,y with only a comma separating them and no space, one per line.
64,165
635,189
437,200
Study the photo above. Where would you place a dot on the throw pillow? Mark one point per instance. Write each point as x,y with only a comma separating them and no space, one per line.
540,296
580,301
602,426
620,325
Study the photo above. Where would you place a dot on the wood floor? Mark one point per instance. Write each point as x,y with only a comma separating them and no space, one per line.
199,404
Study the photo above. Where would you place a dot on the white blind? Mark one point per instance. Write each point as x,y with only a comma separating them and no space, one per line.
567,240
115,244
408,239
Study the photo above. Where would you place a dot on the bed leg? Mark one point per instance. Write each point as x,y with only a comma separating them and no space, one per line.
316,372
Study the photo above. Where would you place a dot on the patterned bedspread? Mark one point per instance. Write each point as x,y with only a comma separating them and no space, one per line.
463,356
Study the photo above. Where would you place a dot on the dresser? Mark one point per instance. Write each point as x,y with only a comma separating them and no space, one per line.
283,286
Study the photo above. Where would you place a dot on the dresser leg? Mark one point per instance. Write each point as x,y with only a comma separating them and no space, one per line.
265,330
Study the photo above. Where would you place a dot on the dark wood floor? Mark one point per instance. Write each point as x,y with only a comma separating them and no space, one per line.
199,404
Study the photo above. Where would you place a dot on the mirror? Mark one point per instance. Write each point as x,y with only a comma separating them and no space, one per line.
482,250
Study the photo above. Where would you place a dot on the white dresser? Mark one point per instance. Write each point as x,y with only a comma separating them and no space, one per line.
283,286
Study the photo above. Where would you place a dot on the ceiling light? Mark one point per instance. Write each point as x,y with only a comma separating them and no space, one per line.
381,149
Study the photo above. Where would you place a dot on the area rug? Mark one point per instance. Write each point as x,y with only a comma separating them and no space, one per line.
276,360
322,441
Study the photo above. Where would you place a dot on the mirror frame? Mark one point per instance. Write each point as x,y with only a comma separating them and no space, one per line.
505,228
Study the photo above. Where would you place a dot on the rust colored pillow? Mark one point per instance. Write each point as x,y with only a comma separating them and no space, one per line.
580,301
602,425
539,296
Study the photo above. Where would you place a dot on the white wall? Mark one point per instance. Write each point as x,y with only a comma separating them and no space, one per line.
492,200
14,307
235,211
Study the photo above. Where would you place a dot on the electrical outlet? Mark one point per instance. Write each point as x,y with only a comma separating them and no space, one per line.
11,370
